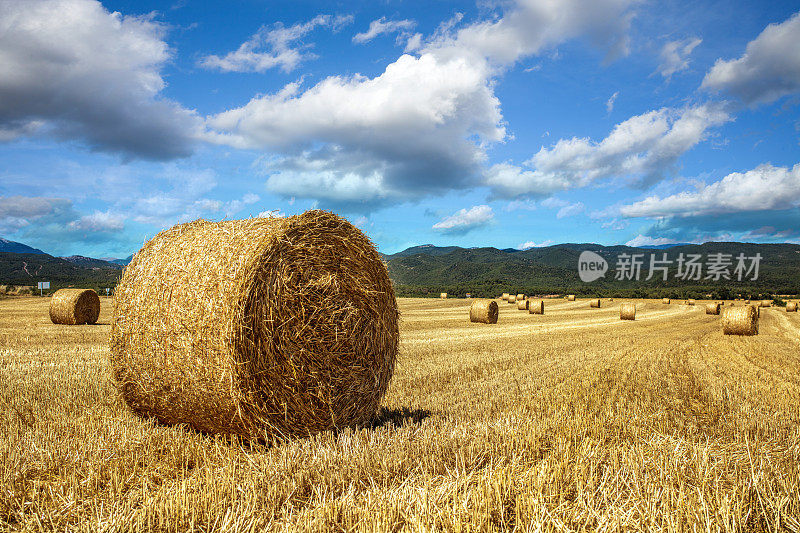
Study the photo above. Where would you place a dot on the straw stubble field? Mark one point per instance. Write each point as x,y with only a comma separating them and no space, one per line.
569,420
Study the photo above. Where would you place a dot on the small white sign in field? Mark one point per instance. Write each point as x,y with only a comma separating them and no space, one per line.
44,285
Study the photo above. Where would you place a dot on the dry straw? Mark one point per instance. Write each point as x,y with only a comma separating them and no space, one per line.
747,302
594,303
791,307
443,295
520,297
74,306
259,327
571,297
740,320
484,311
522,305
712,309
690,301
511,299
627,311
766,303
664,300
536,307
505,296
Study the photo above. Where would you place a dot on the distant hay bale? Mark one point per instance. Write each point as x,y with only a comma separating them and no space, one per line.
505,296
443,295
522,305
665,300
520,297
484,311
536,307
712,309
766,303
791,307
627,311
594,303
260,327
747,302
74,306
511,299
690,301
740,321
611,299
571,297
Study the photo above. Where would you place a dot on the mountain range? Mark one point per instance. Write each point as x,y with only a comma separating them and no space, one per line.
487,271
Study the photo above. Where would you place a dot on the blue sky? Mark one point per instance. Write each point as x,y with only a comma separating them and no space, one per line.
508,124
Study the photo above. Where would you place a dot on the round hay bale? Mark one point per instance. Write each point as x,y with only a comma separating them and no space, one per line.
511,299
522,305
766,303
747,302
690,301
627,311
712,309
571,297
740,320
74,307
791,307
594,303
259,327
665,300
536,307
443,295
520,297
505,296
484,311
611,299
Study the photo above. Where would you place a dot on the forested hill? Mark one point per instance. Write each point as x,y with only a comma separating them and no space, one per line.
425,270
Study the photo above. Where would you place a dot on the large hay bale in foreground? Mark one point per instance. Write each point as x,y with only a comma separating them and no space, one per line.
511,299
664,300
791,307
627,311
484,311
536,307
443,295
570,297
712,309
74,306
275,327
740,321
594,303
522,305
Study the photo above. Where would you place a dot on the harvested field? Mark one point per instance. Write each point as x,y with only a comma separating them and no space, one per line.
569,420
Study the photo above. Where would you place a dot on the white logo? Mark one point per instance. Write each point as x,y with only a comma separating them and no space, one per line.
591,266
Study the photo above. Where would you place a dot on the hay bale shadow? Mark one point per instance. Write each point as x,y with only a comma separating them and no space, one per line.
398,417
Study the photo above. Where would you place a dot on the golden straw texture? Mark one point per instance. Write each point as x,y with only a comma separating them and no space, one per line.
690,301
505,296
627,311
484,311
520,297
259,327
766,303
712,309
74,306
536,307
664,300
740,320
571,298
511,299
791,307
594,303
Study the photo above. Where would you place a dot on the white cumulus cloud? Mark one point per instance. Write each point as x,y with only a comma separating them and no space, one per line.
642,149
274,46
382,26
768,69
465,220
72,69
527,245
675,55
764,188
